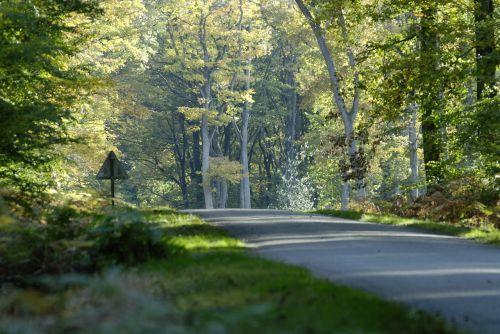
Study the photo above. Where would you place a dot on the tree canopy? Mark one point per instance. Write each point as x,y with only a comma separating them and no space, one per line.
293,104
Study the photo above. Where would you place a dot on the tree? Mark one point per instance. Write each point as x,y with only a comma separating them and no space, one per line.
348,115
431,100
487,61
39,86
486,57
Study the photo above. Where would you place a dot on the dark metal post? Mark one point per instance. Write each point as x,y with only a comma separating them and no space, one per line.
112,192
111,170
112,174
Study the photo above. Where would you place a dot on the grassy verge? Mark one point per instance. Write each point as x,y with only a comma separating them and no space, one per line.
206,283
484,234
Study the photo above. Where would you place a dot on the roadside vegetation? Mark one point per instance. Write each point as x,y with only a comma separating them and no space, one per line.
484,233
157,271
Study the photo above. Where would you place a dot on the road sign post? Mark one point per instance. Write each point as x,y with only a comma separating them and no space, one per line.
112,170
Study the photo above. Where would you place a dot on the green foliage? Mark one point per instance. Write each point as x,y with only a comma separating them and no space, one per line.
31,247
56,57
38,86
221,167
478,141
71,240
443,79
127,239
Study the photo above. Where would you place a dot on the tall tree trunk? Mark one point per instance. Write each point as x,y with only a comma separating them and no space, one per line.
206,137
431,101
413,149
183,183
431,147
245,200
267,159
227,141
184,190
486,62
205,163
356,160
220,183
181,148
196,177
358,163
226,151
291,123
348,116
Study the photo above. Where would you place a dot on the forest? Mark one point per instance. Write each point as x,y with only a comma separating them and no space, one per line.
376,110
383,105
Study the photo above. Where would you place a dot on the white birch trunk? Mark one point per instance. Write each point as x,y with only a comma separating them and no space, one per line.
353,152
205,161
351,117
220,194
348,117
245,200
205,130
359,182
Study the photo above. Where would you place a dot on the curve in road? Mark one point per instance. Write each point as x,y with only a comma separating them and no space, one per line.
458,279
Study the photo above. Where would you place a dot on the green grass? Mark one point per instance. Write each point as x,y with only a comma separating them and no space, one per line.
244,294
485,234
210,284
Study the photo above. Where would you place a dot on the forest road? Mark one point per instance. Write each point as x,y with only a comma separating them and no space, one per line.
458,279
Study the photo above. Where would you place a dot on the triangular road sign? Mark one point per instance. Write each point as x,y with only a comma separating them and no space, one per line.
111,169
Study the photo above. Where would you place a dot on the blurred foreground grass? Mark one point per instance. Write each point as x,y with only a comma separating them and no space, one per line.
157,271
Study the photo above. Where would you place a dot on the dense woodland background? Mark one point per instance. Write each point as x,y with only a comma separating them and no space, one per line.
379,105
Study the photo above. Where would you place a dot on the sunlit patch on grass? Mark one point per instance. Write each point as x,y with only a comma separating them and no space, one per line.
200,243
491,236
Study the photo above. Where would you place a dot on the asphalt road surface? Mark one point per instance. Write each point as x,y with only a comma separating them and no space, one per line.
458,279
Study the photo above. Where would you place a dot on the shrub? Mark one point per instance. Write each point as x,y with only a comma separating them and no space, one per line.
127,239
57,245
69,240
439,206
